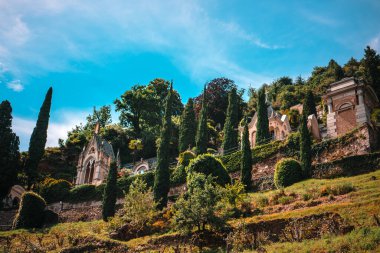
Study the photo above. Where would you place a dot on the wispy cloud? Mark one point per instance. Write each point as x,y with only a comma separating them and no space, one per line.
321,19
60,123
49,35
15,85
375,43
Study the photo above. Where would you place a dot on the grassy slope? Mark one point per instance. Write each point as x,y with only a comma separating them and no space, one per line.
357,207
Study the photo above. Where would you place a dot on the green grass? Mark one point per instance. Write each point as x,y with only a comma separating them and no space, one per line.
356,199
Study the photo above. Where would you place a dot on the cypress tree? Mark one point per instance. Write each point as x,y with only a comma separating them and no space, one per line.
202,136
162,175
187,128
9,150
305,147
309,104
246,159
38,139
262,125
371,69
109,195
230,127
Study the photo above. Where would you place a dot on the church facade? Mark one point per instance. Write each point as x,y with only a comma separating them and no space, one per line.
95,160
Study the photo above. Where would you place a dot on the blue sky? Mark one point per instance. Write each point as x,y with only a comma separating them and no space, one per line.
92,51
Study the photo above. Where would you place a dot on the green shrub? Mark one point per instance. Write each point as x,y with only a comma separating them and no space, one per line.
262,201
124,183
284,200
336,190
209,165
287,172
185,157
84,192
178,176
31,211
54,190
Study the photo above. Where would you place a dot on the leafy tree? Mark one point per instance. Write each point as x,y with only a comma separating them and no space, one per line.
262,125
371,69
230,140
277,85
101,116
217,91
299,81
139,205
38,139
305,147
309,104
252,102
196,207
201,137
246,159
162,174
9,150
294,118
187,127
110,193
351,68
135,146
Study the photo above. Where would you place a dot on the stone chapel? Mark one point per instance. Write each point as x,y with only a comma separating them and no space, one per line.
95,160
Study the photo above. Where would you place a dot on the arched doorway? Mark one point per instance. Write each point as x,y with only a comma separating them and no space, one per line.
89,171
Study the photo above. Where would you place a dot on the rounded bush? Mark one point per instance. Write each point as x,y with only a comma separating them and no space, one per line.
209,165
31,211
54,190
84,192
287,172
185,157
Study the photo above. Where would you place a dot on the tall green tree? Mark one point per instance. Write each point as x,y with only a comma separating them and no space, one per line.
246,159
110,191
162,175
9,150
371,69
305,147
230,127
38,140
262,125
309,104
202,136
187,127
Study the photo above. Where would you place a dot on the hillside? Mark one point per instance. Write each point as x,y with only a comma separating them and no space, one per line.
340,215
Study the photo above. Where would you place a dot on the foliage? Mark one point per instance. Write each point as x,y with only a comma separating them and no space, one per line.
185,158
375,116
201,138
309,104
262,125
230,140
246,160
110,193
252,102
125,182
305,147
216,93
187,128
231,196
196,207
294,118
54,190
38,139
84,192
209,165
162,173
139,205
287,172
31,211
101,116
178,176
9,150
371,69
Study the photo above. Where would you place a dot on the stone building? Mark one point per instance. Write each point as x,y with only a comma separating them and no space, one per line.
279,126
94,160
350,103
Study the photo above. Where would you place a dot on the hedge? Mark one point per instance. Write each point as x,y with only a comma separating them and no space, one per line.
54,190
287,172
31,211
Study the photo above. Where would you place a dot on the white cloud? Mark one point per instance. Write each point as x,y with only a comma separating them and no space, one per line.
60,123
59,32
375,43
15,85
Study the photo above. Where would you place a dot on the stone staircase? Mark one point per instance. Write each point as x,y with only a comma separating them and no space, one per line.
6,219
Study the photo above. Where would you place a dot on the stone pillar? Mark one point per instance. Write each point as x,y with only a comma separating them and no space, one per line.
331,120
361,109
